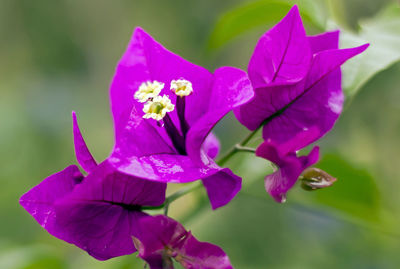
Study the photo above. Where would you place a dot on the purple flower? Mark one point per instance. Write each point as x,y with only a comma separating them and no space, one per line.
162,239
164,108
297,81
298,95
98,212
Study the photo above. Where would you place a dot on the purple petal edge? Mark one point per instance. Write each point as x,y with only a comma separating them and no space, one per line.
83,155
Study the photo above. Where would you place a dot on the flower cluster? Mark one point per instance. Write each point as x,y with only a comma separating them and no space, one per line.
163,134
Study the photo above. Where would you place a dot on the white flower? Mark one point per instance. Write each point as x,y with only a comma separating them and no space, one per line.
181,87
158,107
148,90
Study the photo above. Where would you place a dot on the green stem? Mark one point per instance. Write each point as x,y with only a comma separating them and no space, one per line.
237,148
180,193
245,149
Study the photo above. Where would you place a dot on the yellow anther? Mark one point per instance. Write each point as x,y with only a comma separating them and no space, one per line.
148,90
157,108
181,87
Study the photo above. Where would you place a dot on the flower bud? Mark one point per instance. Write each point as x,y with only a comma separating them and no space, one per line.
314,179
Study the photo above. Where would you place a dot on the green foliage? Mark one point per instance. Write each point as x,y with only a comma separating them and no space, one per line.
261,13
382,32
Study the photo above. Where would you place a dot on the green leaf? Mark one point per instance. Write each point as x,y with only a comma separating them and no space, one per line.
354,193
262,13
383,33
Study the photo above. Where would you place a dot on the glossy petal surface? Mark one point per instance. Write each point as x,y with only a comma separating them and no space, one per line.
167,168
162,236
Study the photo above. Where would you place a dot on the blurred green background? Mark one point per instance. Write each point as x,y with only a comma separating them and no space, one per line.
59,55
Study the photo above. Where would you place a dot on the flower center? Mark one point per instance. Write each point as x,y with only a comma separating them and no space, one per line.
157,107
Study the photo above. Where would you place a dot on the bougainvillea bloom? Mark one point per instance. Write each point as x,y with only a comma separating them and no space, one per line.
297,81
163,239
168,138
298,95
98,212
290,166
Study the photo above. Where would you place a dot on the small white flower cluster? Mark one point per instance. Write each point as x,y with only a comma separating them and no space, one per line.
157,106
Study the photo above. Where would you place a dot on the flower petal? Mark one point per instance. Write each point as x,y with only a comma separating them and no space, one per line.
167,168
39,201
282,54
324,41
160,234
231,89
141,152
222,187
83,155
281,58
103,230
139,138
211,146
280,182
101,214
146,60
320,103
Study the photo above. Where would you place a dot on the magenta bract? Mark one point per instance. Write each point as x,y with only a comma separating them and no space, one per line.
297,84
181,149
98,212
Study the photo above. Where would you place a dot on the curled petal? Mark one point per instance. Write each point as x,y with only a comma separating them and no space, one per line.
83,155
211,146
222,187
290,168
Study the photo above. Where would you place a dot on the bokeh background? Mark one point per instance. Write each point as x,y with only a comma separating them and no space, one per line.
59,55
